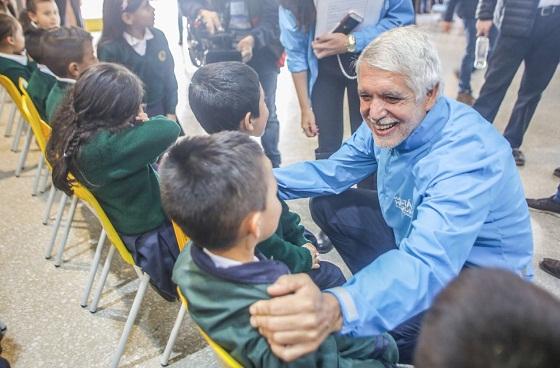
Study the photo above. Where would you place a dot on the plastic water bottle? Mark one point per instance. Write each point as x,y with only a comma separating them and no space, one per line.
481,52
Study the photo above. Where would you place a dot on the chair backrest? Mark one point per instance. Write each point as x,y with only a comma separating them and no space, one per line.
93,24
225,358
34,119
85,195
12,90
182,238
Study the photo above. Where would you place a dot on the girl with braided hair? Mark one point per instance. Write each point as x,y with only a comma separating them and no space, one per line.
102,137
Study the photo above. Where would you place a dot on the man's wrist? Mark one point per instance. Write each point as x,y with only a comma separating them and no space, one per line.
332,308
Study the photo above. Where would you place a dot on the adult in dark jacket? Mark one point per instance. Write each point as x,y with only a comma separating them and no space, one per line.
529,32
70,12
466,11
260,49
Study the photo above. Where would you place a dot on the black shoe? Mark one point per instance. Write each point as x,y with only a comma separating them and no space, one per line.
324,244
518,156
550,266
557,172
544,204
164,294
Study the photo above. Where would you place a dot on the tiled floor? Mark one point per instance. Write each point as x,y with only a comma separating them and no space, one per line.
40,303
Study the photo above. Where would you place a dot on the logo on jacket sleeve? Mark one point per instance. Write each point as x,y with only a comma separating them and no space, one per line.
162,55
405,205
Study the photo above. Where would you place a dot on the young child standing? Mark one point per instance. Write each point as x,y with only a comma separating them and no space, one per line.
129,38
102,138
13,61
228,96
221,191
67,52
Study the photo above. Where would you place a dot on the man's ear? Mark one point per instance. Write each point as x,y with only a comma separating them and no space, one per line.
246,124
73,70
431,97
127,18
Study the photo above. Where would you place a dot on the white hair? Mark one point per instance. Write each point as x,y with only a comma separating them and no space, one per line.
409,52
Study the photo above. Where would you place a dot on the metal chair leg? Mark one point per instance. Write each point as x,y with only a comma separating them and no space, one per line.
93,268
25,151
164,360
44,180
130,320
37,176
11,120
104,274
17,137
48,207
67,227
56,225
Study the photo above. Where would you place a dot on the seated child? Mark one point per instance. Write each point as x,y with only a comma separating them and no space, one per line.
42,79
221,191
67,52
13,61
228,96
40,14
130,39
101,138
490,318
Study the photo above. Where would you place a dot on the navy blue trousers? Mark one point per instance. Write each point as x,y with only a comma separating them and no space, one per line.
353,222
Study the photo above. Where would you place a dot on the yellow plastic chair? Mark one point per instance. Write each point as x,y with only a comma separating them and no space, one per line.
224,357
110,232
93,24
15,95
13,110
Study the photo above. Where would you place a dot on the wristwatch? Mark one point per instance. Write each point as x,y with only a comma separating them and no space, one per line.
351,45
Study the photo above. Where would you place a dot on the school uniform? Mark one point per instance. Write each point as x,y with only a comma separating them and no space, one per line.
220,291
151,60
56,95
39,86
117,168
15,66
285,245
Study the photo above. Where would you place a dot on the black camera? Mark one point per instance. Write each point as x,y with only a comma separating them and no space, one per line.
206,48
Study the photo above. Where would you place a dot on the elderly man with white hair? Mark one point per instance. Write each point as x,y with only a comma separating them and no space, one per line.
449,197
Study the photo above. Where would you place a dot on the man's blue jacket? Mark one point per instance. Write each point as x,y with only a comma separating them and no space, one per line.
453,197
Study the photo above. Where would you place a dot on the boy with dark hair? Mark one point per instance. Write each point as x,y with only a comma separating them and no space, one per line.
67,52
42,79
228,96
221,273
490,318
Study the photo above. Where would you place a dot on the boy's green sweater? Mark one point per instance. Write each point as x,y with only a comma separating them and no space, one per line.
14,70
117,168
55,97
39,86
221,308
286,243
156,68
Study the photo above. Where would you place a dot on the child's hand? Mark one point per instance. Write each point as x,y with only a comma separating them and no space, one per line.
171,117
314,255
245,47
142,117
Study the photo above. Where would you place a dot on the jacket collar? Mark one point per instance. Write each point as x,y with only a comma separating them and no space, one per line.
429,127
263,272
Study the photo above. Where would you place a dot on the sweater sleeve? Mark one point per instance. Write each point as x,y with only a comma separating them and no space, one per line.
485,9
292,228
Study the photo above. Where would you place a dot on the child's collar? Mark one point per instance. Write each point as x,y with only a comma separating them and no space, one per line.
65,80
45,69
223,262
21,59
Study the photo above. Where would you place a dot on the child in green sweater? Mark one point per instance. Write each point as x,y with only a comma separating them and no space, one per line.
103,138
130,39
67,52
221,191
228,96
13,61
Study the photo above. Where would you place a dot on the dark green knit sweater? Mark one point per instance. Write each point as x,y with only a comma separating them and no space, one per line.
117,168
14,70
55,97
39,87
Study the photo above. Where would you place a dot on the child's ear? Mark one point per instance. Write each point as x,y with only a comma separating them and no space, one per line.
10,40
73,70
246,124
127,18
252,225
32,16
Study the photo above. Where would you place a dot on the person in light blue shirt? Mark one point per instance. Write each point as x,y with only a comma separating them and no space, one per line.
449,197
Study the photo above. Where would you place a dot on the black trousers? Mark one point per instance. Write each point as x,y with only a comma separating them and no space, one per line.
353,222
327,99
541,53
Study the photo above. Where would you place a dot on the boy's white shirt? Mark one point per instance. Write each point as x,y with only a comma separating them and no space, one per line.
45,69
22,59
223,262
65,80
139,45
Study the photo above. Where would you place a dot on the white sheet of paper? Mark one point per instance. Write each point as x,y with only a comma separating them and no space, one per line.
331,12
